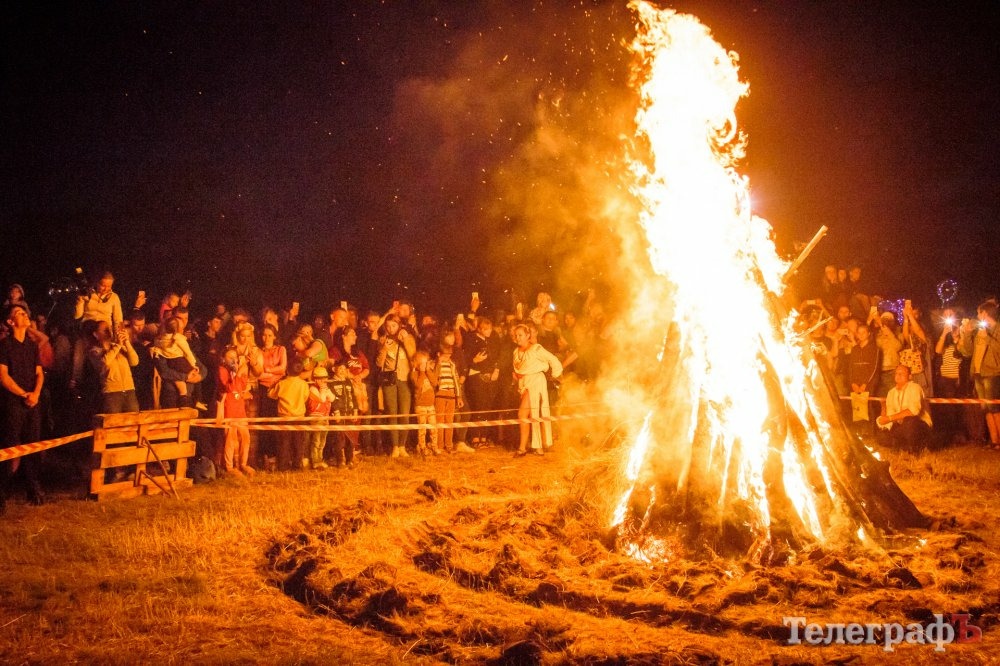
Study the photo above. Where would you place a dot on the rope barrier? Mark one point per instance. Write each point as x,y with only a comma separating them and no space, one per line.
939,401
27,449
300,423
254,424
370,417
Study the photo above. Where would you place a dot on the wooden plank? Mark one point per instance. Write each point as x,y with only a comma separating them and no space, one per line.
179,484
126,435
180,469
100,439
147,417
158,433
135,455
127,490
115,486
96,481
132,434
121,491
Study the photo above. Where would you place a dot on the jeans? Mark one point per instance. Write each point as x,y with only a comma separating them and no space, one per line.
317,443
397,402
21,425
481,396
291,449
119,402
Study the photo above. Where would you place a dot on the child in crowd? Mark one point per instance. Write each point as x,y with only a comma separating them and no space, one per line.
423,401
233,395
345,404
292,392
443,374
173,346
319,403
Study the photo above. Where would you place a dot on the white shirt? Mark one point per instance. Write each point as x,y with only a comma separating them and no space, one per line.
910,397
535,360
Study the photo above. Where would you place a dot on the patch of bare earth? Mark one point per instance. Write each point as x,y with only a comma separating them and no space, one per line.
480,574
466,559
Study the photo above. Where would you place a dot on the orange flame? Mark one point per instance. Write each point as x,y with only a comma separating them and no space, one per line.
722,264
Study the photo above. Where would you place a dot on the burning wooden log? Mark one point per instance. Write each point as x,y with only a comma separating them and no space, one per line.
747,451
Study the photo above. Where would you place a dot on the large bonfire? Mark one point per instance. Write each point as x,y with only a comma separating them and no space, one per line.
744,449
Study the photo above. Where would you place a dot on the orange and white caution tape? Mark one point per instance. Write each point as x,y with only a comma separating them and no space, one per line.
27,449
939,401
293,423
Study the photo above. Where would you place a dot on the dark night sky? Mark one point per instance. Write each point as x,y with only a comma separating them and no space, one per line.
369,150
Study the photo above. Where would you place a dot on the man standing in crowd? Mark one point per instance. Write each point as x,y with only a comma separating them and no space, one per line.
368,344
22,377
338,320
863,367
904,414
483,351
864,363
982,345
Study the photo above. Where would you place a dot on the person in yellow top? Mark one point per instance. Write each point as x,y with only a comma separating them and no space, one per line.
292,392
113,357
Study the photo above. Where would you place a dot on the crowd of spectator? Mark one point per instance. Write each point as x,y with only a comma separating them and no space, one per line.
93,355
906,356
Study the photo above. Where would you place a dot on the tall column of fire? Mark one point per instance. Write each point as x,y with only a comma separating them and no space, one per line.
745,449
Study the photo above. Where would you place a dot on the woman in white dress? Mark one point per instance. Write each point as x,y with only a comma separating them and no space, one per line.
531,362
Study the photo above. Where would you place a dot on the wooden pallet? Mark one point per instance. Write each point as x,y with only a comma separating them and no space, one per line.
139,438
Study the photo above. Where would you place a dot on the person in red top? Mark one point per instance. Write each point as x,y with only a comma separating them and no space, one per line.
319,403
233,395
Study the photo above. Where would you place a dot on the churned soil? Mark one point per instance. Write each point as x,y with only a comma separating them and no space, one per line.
477,558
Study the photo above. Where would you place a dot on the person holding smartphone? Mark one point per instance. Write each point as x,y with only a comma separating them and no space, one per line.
980,341
396,348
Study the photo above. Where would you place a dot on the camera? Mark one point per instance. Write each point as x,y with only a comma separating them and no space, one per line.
77,285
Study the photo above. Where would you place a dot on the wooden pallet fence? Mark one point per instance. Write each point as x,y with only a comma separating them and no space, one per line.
123,440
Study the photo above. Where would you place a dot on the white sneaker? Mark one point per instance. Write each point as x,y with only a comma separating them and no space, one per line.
395,452
403,453
305,463
320,465
462,447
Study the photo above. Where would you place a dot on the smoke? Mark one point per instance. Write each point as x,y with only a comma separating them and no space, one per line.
518,154
515,153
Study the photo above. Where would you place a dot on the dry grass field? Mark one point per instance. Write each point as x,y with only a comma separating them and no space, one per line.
466,559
